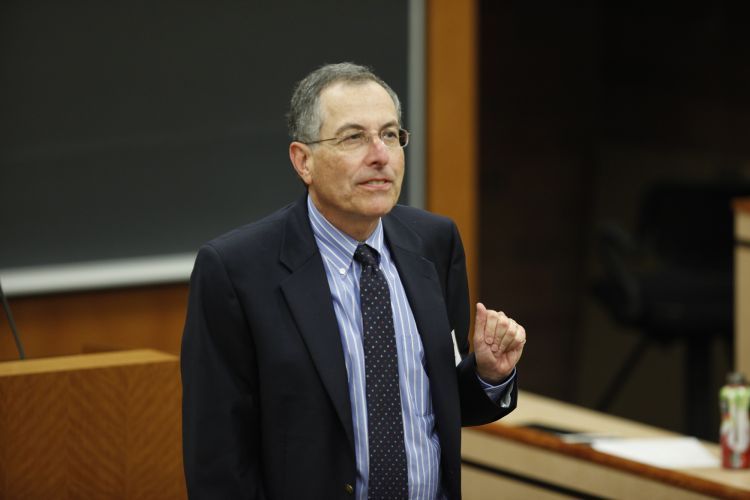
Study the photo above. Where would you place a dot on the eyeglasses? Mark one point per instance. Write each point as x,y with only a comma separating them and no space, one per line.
351,141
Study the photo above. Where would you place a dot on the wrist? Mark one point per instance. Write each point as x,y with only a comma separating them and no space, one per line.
493,378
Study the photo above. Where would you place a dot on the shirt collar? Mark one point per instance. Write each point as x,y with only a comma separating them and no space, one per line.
336,243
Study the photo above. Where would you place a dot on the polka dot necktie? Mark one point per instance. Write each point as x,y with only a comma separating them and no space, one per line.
385,429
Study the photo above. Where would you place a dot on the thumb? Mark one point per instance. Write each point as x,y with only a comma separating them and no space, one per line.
480,322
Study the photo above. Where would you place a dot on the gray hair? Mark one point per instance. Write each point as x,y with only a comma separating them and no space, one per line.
304,120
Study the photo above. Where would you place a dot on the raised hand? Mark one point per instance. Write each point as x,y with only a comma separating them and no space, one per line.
498,344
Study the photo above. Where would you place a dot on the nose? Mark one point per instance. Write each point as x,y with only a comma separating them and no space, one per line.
377,152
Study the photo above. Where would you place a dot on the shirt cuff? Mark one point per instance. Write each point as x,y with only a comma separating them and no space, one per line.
497,392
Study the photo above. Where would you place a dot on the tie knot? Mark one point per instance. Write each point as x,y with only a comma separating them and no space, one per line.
366,255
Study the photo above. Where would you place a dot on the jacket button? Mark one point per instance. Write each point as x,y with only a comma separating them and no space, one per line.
349,488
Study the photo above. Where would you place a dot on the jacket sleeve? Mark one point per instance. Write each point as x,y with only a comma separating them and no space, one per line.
220,415
476,407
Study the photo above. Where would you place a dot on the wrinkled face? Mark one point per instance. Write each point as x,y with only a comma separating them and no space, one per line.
352,189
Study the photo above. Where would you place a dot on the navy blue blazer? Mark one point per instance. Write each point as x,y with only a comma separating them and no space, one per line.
266,410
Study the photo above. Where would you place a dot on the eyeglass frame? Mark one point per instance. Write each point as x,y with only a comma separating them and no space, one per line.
369,140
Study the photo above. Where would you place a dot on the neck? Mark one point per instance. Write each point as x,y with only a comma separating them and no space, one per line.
359,229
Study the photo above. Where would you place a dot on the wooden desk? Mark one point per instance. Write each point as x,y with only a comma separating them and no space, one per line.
505,460
742,286
91,426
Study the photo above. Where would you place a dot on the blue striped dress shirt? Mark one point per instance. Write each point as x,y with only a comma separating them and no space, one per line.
421,441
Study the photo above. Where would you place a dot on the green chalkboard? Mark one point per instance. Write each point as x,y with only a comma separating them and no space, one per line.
132,129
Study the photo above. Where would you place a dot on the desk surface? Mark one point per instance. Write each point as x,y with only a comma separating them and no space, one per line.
541,410
83,362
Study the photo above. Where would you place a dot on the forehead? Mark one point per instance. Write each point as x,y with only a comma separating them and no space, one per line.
366,104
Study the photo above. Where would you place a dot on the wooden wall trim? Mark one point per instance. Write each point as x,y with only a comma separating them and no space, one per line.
452,121
96,321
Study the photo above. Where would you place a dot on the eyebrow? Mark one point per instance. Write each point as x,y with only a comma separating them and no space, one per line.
392,123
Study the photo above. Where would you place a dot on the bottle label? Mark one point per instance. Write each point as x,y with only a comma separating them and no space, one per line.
735,426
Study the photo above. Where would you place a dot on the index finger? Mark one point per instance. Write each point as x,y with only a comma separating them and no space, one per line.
480,322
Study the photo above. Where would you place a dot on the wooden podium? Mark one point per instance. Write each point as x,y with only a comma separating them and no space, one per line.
91,426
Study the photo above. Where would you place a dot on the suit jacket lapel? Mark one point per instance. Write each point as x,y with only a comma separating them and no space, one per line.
422,285
309,298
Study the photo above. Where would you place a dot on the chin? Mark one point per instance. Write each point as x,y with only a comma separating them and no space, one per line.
380,208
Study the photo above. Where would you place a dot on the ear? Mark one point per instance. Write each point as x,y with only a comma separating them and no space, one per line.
301,157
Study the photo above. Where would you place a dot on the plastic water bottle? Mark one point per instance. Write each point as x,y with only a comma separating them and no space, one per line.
734,400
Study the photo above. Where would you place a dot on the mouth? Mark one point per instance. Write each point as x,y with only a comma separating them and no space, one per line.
376,183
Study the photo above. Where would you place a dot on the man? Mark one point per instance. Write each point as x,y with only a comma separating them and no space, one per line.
318,353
